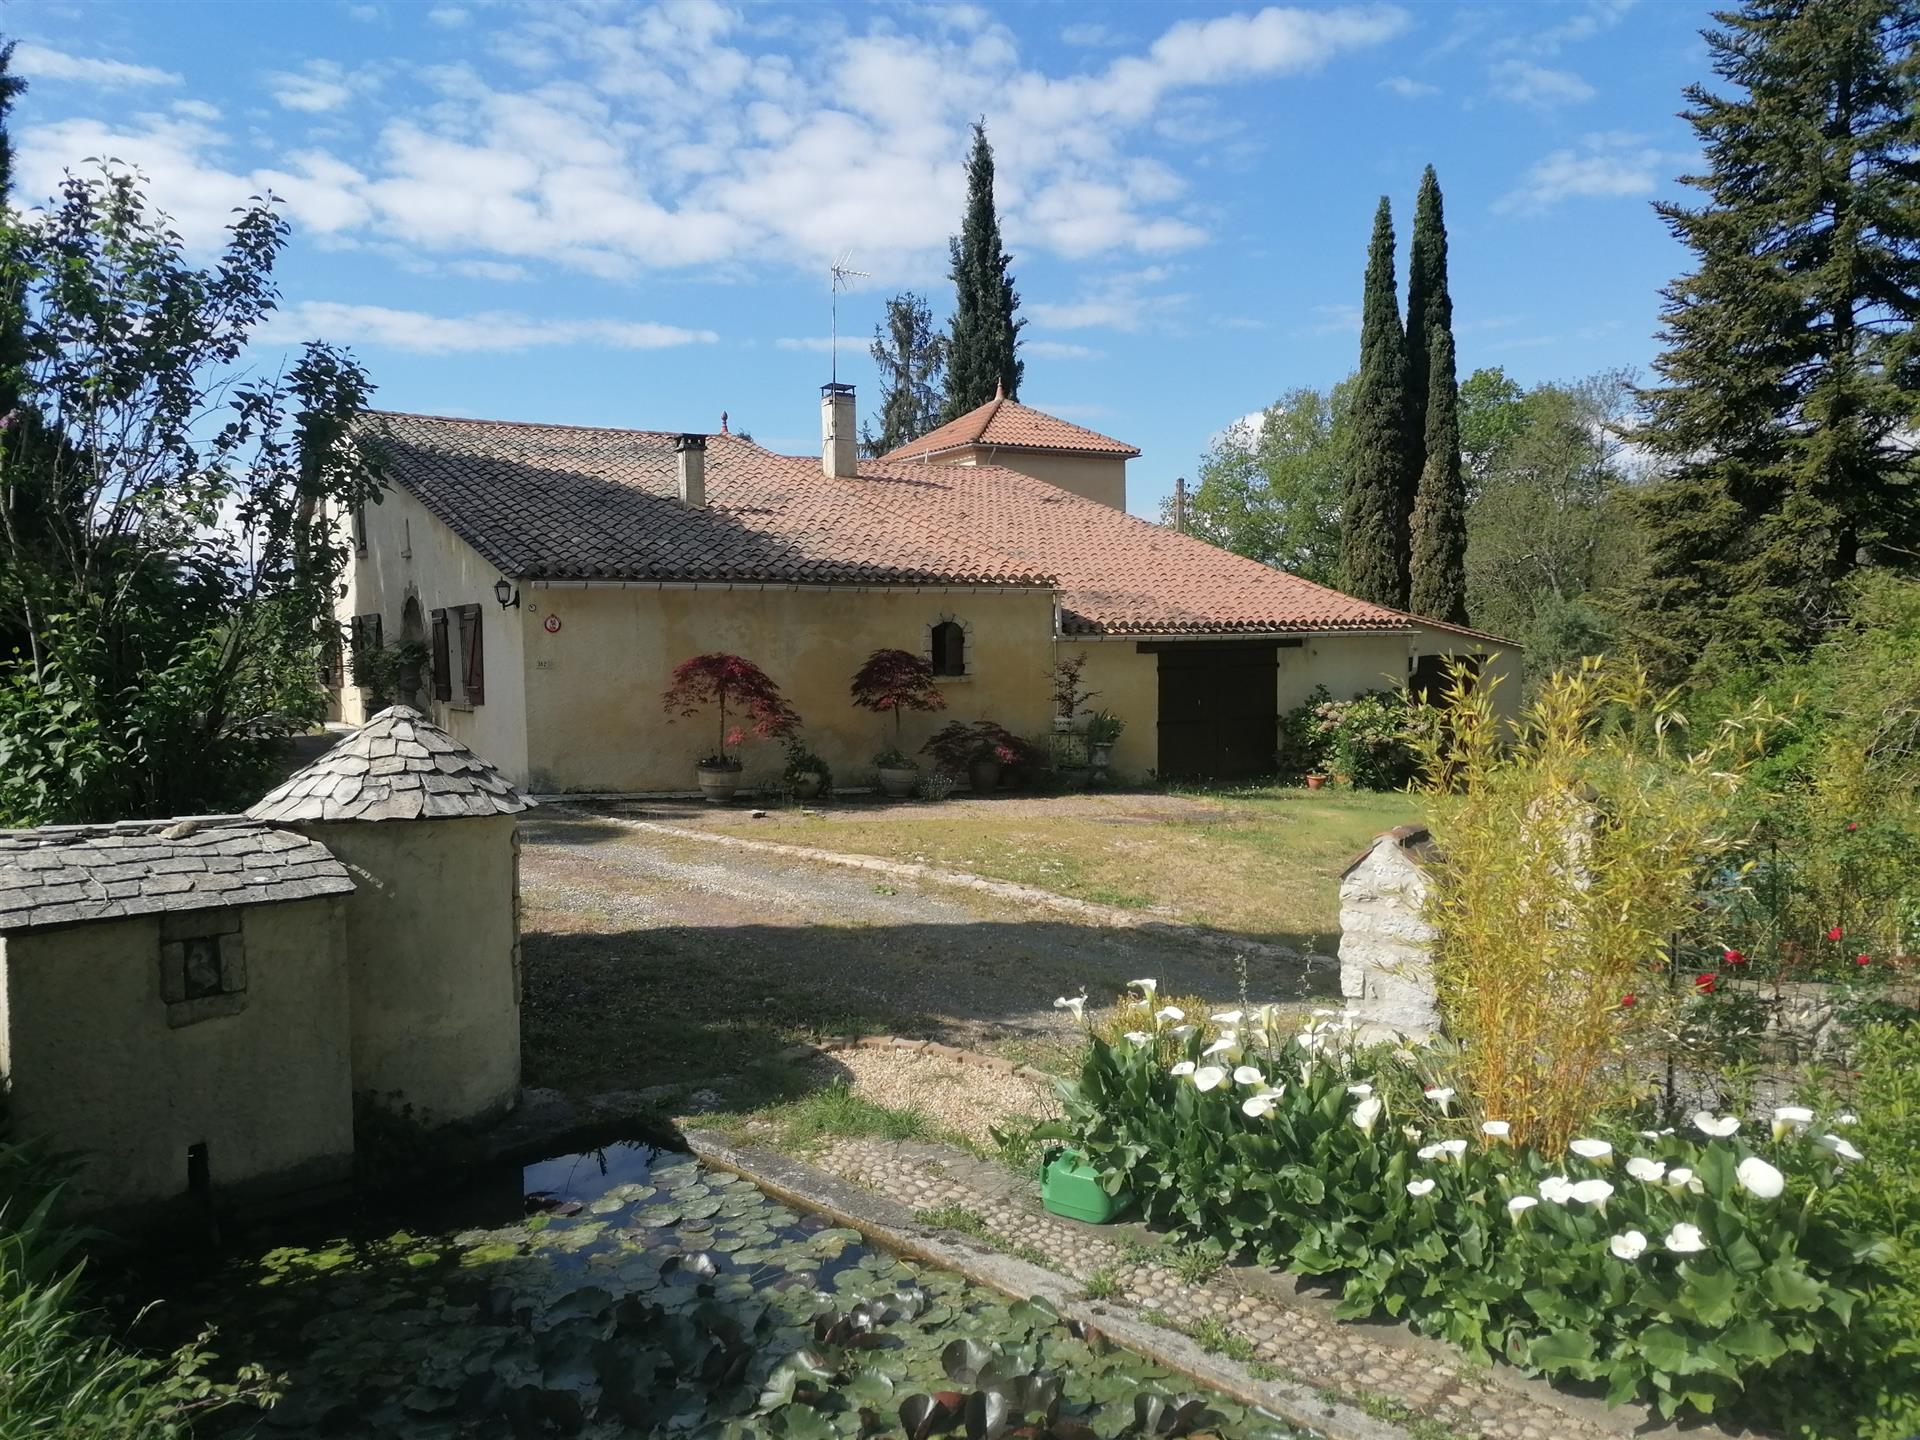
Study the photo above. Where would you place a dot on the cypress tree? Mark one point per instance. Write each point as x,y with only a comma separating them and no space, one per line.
984,336
1437,541
1373,529
1790,370
13,344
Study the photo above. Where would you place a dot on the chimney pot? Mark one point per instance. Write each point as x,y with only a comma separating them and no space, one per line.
691,451
838,457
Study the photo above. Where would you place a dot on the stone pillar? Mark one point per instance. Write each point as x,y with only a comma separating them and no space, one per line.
1386,944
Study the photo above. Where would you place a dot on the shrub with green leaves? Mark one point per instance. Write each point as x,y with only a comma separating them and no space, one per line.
1676,1267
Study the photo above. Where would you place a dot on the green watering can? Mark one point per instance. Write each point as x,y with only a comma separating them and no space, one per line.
1071,1187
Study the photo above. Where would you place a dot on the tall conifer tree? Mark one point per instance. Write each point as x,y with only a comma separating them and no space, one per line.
1437,507
1373,534
1791,372
911,355
984,337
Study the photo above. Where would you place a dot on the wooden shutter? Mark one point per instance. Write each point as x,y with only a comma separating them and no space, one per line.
442,666
473,656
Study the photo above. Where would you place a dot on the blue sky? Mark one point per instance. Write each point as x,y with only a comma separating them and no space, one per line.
613,214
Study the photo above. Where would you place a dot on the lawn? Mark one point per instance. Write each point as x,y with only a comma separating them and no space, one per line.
1261,862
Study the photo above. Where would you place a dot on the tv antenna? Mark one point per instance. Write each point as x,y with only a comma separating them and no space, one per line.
842,273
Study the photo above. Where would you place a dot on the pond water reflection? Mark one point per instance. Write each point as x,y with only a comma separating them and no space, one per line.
632,1291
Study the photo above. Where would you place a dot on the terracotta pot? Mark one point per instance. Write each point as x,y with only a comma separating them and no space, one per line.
717,784
984,775
898,784
1314,782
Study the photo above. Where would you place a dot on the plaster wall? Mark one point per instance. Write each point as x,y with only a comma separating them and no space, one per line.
410,553
97,1069
1128,684
433,962
1095,477
593,687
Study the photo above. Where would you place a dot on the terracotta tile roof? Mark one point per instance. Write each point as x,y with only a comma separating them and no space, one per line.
69,874
397,766
560,502
1012,426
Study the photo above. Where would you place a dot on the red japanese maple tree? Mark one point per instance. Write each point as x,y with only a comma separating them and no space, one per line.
896,681
731,685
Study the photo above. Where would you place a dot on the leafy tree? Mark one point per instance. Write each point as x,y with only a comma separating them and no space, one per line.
729,684
1437,507
168,536
1790,371
1373,540
912,356
1273,492
982,356
894,682
1491,416
12,340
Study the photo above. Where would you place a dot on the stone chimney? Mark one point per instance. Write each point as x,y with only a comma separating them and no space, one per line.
838,456
692,453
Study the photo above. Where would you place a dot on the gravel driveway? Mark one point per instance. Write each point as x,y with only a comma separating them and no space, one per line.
653,960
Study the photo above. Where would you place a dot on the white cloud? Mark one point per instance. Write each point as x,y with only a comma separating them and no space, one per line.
1123,301
1407,88
448,17
1595,18
1339,319
1059,350
1089,36
1525,83
498,270
365,14
41,62
695,135
420,333
819,344
1602,166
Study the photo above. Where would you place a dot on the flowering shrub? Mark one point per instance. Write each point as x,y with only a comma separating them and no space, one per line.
1369,741
1672,1266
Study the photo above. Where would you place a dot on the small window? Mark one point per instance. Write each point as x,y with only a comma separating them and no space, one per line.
442,663
359,529
1428,676
203,966
365,639
949,648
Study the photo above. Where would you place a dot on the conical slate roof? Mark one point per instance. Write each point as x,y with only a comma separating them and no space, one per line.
397,766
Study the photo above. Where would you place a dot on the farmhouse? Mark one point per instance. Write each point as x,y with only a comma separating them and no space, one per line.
554,575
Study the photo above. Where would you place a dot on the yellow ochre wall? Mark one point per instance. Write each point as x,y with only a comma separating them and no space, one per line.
409,552
593,688
1094,477
432,941
97,1069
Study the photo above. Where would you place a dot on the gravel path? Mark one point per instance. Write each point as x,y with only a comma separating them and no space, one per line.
625,930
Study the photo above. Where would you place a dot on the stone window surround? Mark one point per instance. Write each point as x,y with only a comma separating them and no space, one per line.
966,647
182,940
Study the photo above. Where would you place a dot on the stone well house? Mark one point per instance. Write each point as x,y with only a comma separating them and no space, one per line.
994,546
195,1006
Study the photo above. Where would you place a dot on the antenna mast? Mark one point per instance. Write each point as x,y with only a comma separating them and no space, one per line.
841,274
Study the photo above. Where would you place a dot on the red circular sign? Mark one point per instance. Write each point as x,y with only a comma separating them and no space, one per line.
552,622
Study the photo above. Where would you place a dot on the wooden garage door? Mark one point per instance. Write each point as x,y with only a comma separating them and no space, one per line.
1218,709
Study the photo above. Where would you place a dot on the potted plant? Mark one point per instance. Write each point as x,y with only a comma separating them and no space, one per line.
733,686
1070,695
979,749
896,681
1316,780
1103,729
807,776
1069,756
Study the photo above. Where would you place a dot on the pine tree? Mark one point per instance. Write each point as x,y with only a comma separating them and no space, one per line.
984,336
1791,368
1437,540
911,355
13,345
1373,535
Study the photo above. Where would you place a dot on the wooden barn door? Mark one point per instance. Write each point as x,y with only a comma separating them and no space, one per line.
1218,708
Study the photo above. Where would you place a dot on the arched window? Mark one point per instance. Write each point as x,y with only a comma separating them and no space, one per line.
949,648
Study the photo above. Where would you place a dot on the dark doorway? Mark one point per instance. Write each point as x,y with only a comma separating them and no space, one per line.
1218,708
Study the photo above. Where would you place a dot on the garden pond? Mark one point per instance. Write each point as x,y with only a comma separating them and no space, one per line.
632,1290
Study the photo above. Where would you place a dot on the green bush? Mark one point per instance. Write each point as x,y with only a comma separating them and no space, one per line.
1674,1267
1367,742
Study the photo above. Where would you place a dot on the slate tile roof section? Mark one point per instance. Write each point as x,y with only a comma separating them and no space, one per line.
69,874
1012,426
559,502
397,766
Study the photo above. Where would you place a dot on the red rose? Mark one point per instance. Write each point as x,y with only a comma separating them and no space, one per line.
1626,1000
1863,959
1706,984
1835,933
1733,957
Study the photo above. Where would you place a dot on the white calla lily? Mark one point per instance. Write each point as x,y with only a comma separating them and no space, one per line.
1138,1037
1209,1077
1592,1192
1845,1149
1367,1112
1360,1088
1419,1187
1169,1012
1185,1067
1441,1095
1181,1032
1759,1178
1681,1178
1261,1105
1226,1017
1227,1044
1557,1189
1148,988
1453,1149
1651,1171
1428,1152
1685,1239
1248,1075
1595,1150
1718,1126
1846,1119
1628,1245
1520,1204
1790,1118
1497,1129
1076,1003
